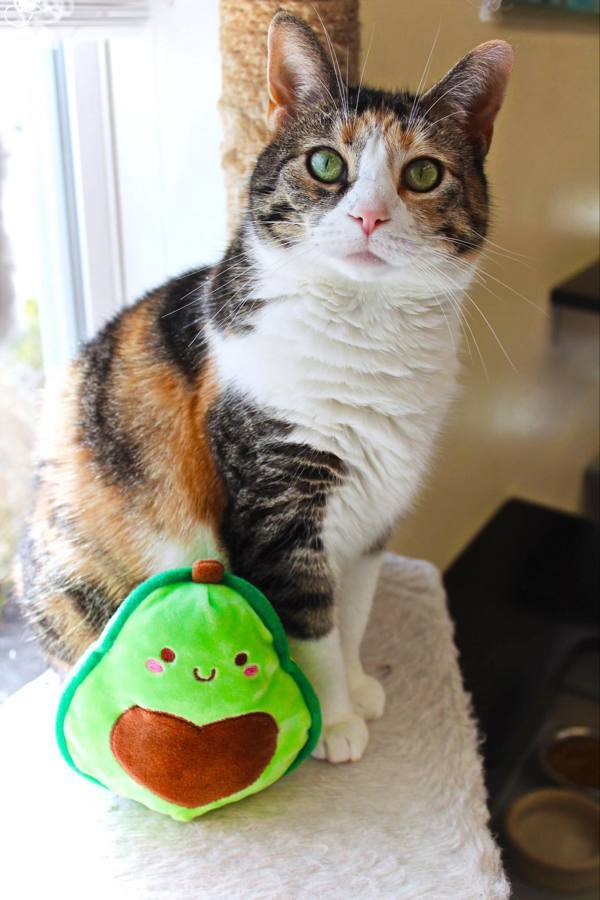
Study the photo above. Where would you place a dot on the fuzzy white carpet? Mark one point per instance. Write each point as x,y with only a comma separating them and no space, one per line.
409,821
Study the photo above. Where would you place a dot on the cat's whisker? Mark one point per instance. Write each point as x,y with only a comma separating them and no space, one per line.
362,71
213,269
246,287
500,258
502,252
482,245
198,290
424,75
233,272
336,67
500,247
347,76
429,250
236,304
462,312
450,332
426,269
458,310
477,347
244,272
492,330
185,305
453,292
482,274
325,87
495,256
246,284
232,259
451,90
464,324
430,126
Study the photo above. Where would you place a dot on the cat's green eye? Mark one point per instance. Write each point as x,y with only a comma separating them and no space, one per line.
326,165
422,175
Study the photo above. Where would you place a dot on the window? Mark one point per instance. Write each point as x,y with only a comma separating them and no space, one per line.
113,183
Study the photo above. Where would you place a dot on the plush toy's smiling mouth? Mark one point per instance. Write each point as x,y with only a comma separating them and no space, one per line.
200,677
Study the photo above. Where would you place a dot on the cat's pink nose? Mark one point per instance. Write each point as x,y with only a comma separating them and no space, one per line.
370,217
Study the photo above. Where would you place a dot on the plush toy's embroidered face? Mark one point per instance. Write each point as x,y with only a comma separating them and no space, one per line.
224,654
166,654
169,656
189,706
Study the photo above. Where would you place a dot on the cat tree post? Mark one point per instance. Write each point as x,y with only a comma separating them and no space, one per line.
244,25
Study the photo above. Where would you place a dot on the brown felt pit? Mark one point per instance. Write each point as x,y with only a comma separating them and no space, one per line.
193,765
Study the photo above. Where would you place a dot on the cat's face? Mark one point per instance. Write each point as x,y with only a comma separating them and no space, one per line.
371,185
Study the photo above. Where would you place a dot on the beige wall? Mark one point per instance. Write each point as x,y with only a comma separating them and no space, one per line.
532,432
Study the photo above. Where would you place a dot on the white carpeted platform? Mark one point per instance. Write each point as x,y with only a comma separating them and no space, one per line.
409,821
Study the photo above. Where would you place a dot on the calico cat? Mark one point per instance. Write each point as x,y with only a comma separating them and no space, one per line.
278,410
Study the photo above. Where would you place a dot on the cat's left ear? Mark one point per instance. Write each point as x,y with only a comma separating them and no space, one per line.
298,71
475,88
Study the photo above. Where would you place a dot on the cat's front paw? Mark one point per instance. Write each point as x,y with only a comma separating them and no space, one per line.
368,698
344,741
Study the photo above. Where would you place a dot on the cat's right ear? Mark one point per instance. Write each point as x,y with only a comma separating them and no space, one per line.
474,90
298,71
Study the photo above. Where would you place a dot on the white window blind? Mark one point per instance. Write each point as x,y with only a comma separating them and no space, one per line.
74,13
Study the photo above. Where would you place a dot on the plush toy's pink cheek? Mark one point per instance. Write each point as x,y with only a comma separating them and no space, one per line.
250,671
153,665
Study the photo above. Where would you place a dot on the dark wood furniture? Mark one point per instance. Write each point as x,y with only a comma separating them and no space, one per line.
579,292
524,595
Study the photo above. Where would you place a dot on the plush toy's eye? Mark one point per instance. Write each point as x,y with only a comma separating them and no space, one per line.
422,175
326,165
241,659
167,655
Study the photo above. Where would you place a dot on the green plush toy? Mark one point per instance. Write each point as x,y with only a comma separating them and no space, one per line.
189,699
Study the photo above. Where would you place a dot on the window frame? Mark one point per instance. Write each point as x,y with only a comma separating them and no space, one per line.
90,183
131,145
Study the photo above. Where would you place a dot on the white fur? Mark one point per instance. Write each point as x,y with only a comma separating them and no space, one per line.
345,734
361,359
356,594
361,373
163,553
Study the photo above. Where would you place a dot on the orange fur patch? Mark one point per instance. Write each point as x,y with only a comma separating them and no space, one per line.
96,532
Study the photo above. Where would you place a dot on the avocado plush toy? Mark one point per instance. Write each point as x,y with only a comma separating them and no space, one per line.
189,699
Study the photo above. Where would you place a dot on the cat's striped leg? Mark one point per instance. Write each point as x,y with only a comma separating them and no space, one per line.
345,735
298,584
277,492
355,602
62,622
66,584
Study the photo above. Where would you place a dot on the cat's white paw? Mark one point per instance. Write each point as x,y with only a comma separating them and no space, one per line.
343,742
368,698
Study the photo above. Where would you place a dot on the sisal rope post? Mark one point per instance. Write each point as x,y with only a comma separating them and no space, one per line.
243,105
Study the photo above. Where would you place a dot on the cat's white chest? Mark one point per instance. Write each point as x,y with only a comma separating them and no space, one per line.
367,383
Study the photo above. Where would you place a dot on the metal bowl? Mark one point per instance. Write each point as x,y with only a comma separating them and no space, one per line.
571,757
